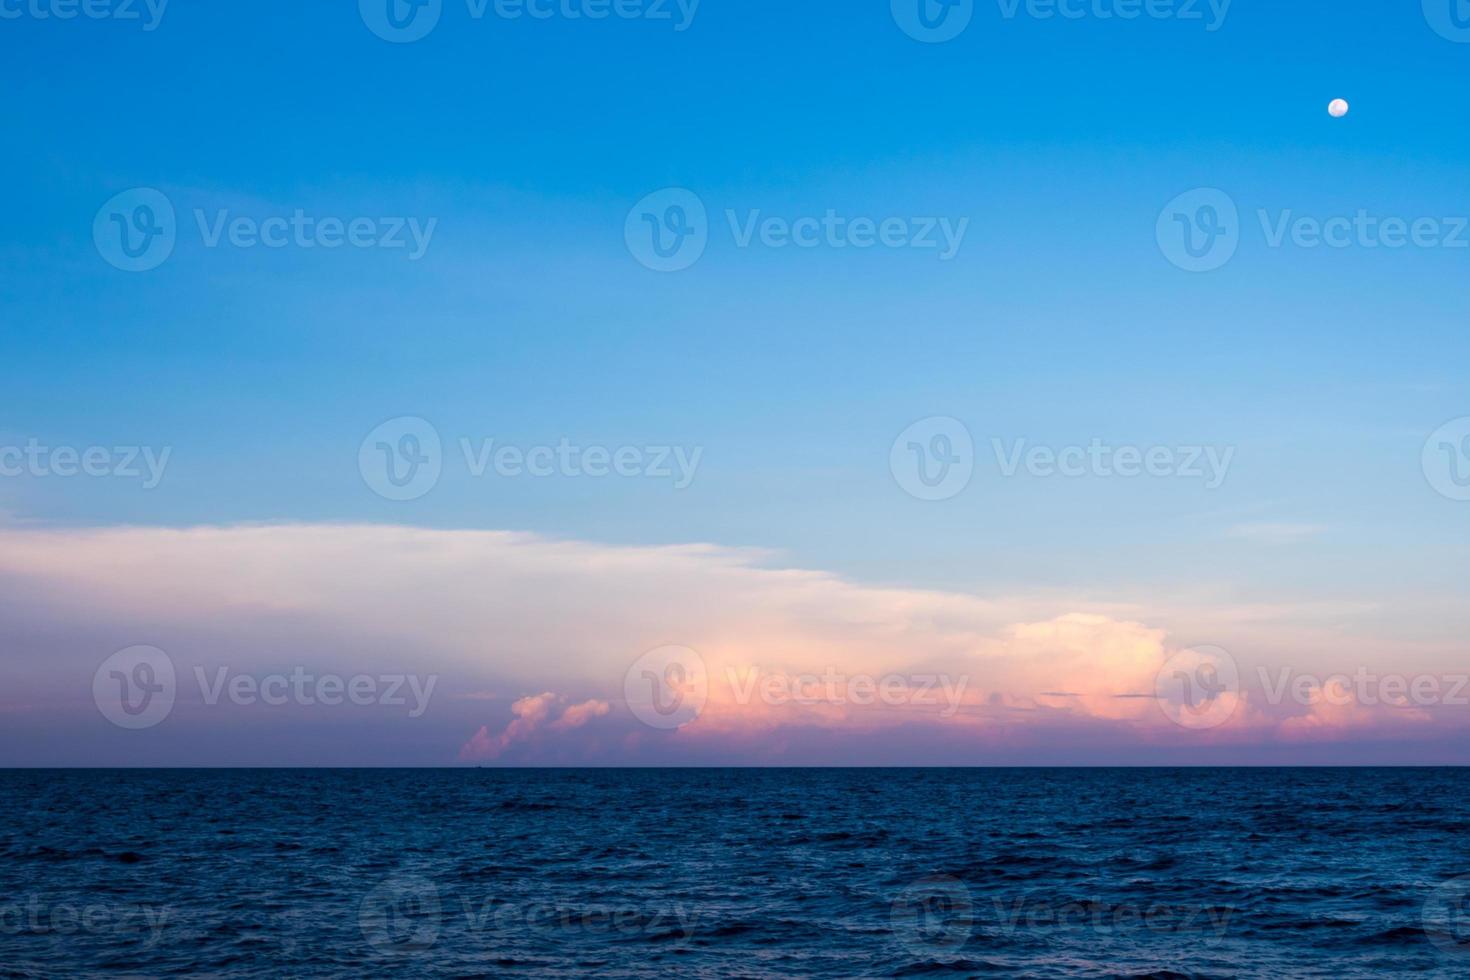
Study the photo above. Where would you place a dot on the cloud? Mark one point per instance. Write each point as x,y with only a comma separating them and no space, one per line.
580,714
503,610
531,714
492,611
1335,711
1100,661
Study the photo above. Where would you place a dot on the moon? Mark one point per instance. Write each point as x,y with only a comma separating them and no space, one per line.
1337,108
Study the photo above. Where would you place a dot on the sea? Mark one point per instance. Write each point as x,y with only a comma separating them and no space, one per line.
1048,873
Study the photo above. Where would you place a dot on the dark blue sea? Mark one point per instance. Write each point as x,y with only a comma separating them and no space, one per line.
736,873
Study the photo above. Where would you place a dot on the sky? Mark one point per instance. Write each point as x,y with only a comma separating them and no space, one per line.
637,382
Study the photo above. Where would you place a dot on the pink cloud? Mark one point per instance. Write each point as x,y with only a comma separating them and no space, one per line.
489,611
531,715
1333,712
580,714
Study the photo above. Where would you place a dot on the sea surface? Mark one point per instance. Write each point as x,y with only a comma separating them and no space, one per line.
736,873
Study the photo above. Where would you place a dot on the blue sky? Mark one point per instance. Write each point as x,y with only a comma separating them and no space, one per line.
1059,321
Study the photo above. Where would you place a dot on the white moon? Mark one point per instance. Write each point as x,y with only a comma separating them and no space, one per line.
1338,108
